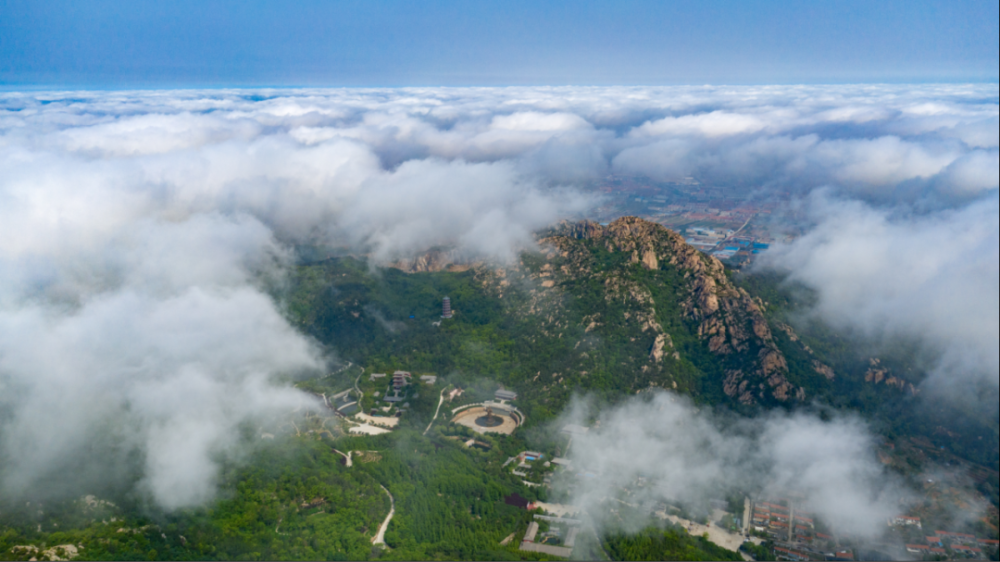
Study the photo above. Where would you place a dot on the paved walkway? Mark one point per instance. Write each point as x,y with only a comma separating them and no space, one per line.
558,509
377,420
347,456
438,410
379,538
368,429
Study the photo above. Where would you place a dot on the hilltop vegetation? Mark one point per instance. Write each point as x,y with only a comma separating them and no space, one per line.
608,310
616,310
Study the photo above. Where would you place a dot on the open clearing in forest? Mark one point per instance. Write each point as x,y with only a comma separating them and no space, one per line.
717,535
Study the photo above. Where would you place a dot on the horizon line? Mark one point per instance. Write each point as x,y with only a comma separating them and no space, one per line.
19,88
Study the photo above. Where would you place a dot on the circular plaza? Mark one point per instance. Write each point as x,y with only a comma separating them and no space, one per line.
489,418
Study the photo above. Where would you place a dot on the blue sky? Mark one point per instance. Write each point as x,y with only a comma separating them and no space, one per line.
140,43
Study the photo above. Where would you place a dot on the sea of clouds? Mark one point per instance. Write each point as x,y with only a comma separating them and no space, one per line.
140,232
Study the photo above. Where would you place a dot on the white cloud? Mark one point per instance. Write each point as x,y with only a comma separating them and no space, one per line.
171,377
882,161
154,134
536,121
714,124
117,202
932,278
685,454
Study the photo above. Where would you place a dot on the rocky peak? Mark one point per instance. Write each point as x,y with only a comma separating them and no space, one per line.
726,317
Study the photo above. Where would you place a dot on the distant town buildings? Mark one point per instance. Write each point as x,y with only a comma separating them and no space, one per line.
966,550
789,554
953,545
788,523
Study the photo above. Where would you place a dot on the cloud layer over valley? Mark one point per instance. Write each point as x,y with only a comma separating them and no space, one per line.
140,232
930,278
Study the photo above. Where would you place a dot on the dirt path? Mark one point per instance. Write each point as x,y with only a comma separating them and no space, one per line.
379,538
438,410
347,456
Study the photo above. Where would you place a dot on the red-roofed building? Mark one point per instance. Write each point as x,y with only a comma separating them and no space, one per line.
959,538
966,549
954,535
988,542
789,554
935,540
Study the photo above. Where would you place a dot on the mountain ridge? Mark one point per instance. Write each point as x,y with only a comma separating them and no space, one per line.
727,318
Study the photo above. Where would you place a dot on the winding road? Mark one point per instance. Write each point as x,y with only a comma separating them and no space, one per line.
379,538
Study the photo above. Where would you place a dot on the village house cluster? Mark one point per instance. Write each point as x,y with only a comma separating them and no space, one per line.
795,536
947,544
793,531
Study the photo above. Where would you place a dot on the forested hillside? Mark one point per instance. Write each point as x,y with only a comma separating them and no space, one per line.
612,310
